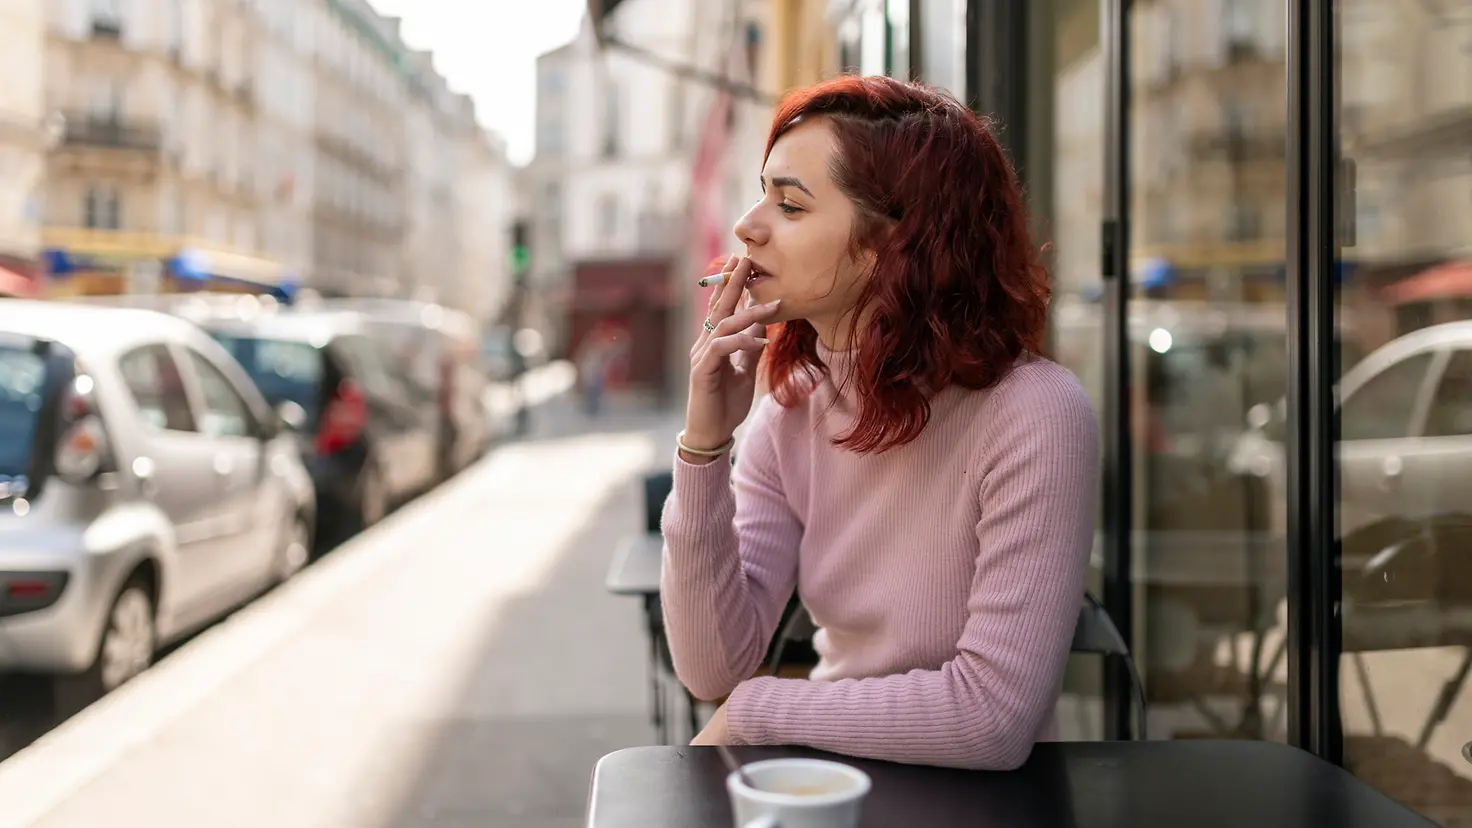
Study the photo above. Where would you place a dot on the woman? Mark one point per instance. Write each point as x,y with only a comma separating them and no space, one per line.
918,473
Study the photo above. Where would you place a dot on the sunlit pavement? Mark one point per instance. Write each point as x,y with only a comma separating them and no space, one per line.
459,665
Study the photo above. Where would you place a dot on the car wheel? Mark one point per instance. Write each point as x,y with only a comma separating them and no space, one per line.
129,642
295,551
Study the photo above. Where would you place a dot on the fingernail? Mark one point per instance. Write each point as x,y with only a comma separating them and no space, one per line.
763,340
774,303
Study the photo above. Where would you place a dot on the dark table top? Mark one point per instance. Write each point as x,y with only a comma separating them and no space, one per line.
1183,784
636,565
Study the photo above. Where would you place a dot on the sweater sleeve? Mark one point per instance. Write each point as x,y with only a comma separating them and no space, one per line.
730,562
984,708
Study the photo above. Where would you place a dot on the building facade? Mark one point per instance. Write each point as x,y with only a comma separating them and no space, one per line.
626,192
359,222
152,178
24,136
1259,219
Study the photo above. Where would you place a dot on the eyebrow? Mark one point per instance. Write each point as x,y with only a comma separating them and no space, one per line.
787,181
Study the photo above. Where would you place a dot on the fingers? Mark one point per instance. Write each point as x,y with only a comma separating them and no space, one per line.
731,291
745,318
719,352
727,268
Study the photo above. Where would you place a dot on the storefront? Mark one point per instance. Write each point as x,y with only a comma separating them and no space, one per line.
82,262
1260,217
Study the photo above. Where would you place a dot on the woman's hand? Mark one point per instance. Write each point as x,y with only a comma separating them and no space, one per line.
723,364
715,731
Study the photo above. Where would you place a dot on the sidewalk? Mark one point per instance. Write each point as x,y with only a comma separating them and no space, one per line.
460,665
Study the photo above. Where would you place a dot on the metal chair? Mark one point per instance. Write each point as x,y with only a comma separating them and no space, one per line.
1096,633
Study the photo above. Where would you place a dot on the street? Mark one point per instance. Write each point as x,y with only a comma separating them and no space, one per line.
458,665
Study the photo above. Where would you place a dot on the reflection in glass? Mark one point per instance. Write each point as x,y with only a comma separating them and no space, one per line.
1207,361
1404,71
1065,184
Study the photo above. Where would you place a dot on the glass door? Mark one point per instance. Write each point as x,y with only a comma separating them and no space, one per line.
1196,341
1403,297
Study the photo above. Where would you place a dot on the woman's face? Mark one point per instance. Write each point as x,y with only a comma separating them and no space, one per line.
798,236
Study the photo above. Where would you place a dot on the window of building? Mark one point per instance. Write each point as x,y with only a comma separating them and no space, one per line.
608,217
107,13
612,119
103,208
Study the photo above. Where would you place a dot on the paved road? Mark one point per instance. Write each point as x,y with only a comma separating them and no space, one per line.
459,665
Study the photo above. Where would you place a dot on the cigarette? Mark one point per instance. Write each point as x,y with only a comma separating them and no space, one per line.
713,280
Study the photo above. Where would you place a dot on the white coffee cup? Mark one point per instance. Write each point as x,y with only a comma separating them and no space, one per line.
798,793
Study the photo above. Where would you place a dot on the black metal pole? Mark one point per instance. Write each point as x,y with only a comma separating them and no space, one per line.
1313,574
1118,473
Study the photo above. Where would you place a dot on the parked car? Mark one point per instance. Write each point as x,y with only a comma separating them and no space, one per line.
435,350
368,438
146,488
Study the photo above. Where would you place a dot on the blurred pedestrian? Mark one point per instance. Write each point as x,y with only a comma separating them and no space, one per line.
919,474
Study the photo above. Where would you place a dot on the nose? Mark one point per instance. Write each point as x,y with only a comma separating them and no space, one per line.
750,229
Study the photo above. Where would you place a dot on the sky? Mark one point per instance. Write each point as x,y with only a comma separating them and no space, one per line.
483,53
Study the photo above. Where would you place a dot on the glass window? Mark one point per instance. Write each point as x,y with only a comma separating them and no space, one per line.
899,38
1382,408
1208,338
1451,408
1064,186
22,392
943,43
225,413
1401,73
368,366
153,380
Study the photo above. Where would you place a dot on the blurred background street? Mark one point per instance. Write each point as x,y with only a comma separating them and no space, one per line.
342,345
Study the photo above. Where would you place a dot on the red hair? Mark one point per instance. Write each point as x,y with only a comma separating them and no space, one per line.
957,292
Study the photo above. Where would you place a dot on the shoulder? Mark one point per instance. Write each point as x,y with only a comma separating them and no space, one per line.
1038,407
1041,388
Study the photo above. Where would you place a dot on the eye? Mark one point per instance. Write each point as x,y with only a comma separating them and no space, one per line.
789,209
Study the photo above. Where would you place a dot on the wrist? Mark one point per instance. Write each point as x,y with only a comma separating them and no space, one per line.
698,450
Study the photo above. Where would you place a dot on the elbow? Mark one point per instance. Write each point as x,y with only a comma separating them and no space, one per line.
1003,740
707,685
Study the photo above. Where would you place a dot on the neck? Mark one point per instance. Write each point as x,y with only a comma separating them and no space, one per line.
836,333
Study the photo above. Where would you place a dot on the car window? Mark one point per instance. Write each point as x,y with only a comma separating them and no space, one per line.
226,413
1382,408
368,367
1451,408
157,388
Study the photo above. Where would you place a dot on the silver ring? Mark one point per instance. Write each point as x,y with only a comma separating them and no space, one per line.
709,326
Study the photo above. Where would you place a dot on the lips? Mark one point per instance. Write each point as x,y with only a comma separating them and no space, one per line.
759,272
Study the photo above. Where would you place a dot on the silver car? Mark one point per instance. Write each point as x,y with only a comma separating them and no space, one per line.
146,488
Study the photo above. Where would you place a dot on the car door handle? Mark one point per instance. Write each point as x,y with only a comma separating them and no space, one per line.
223,465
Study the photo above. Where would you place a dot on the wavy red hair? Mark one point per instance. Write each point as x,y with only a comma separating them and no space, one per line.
958,291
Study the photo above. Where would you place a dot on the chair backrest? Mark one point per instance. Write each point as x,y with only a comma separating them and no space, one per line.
657,486
1095,632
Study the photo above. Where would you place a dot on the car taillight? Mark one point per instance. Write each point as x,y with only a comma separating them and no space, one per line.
82,450
343,419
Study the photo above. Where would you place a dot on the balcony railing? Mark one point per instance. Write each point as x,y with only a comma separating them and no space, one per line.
94,131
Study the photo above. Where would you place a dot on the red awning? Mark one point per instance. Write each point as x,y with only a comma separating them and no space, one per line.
14,284
1448,280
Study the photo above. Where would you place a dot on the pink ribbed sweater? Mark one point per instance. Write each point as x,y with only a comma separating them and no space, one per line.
945,576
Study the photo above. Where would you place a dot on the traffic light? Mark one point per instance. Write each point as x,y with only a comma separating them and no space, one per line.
521,249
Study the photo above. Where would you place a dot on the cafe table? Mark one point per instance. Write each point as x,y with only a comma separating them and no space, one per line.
1168,784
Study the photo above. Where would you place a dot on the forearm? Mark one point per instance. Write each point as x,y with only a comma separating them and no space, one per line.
714,609
950,717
